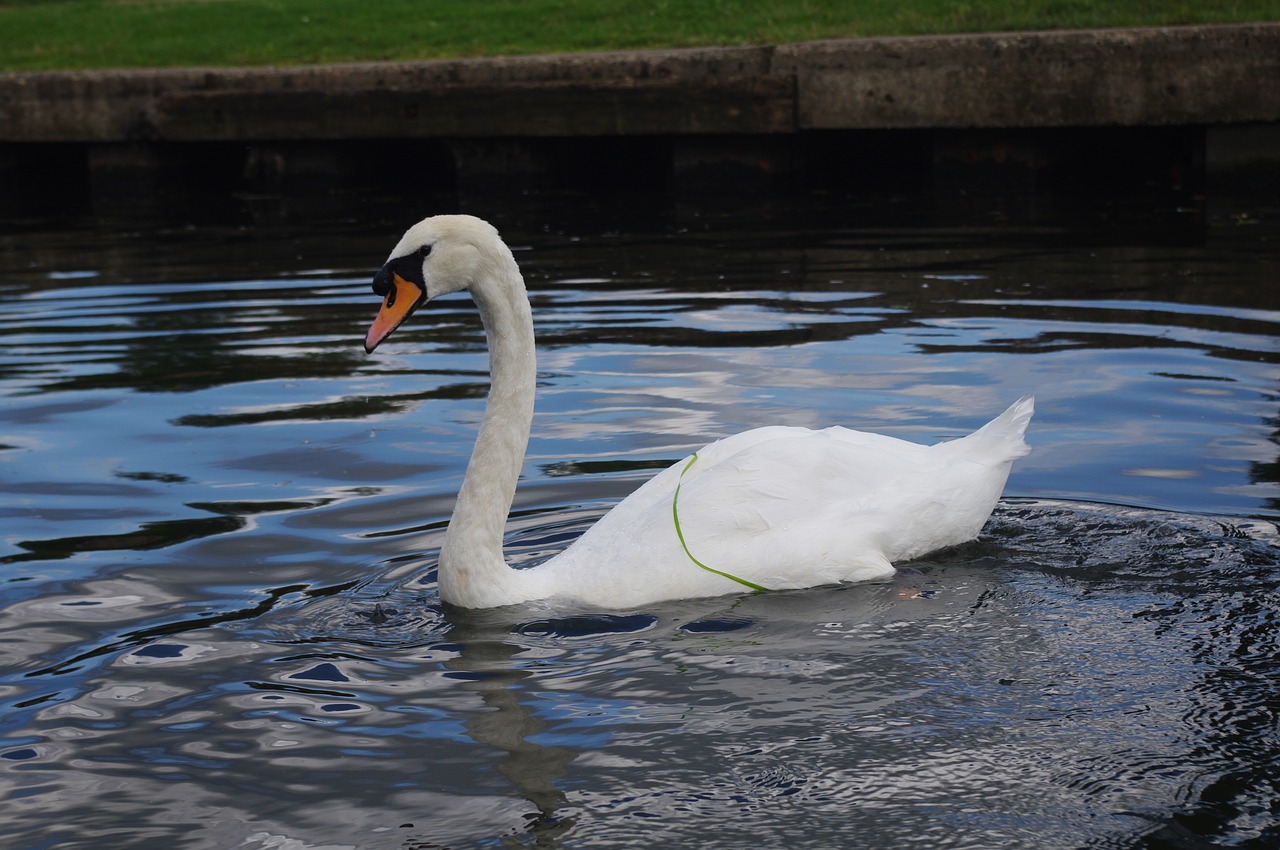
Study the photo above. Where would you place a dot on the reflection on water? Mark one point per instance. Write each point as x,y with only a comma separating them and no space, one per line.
219,521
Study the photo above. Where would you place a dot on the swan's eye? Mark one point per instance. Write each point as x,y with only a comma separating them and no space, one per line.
424,251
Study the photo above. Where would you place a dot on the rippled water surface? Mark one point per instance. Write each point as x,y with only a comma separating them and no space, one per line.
219,524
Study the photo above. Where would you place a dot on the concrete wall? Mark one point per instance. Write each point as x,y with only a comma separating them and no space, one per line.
1187,75
988,100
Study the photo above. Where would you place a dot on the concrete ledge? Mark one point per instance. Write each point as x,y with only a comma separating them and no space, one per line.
687,91
1166,76
1131,77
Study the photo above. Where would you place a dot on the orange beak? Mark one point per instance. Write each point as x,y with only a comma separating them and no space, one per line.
402,299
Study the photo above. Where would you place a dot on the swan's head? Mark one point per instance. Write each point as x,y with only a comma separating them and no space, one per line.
436,256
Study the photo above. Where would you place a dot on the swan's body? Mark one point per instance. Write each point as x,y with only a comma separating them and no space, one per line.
775,507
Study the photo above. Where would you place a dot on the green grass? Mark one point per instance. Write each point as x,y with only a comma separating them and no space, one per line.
68,34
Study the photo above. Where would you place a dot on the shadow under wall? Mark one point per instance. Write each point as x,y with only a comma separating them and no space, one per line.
934,176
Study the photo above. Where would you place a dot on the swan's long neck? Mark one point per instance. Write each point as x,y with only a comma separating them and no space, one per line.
473,572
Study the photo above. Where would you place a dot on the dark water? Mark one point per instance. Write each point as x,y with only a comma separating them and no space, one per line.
219,520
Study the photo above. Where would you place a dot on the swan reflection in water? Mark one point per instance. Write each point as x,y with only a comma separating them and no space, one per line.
485,667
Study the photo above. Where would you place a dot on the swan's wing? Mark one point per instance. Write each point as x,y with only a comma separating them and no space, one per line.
756,503
788,507
800,507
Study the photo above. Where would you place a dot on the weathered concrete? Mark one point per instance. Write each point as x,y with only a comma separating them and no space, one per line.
1179,75
728,90
1131,77
1004,125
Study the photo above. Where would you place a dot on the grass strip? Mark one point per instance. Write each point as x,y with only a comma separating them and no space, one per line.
88,34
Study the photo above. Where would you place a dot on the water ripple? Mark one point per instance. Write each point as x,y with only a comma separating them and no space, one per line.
220,523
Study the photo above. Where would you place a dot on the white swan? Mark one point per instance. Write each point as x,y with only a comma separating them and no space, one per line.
771,508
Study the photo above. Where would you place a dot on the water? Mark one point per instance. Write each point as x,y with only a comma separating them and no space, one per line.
220,520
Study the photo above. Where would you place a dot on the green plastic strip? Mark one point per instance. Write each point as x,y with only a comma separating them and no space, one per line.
675,499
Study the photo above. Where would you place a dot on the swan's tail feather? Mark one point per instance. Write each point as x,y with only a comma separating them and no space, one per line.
1007,429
